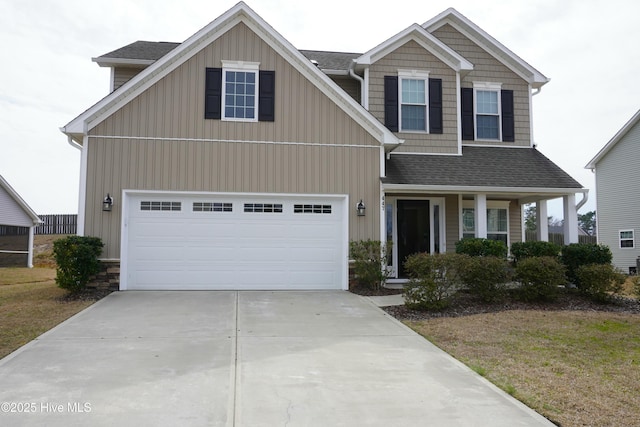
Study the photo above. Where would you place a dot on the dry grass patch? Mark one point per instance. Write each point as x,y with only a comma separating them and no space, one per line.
576,368
31,304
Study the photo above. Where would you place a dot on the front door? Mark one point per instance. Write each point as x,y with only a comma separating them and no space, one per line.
414,230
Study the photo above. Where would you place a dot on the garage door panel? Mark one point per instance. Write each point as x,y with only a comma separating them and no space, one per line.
236,250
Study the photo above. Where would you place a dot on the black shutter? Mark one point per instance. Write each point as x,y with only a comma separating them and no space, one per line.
213,93
266,98
391,103
466,104
508,125
435,105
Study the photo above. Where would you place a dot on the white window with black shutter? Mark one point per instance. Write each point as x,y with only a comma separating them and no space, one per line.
413,102
240,91
487,113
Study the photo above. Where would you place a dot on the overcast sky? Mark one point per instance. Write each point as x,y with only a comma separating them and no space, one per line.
588,48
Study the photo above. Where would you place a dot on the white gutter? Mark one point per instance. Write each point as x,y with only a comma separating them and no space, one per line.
71,141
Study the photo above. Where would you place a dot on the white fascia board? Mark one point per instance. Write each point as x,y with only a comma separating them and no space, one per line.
20,201
124,62
424,39
616,138
481,189
239,13
496,49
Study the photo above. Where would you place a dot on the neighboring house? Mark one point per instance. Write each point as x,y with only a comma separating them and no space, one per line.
17,222
235,161
617,169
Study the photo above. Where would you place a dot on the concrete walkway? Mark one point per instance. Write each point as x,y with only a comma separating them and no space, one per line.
244,359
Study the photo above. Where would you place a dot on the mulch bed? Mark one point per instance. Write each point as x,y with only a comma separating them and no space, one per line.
86,295
369,292
466,305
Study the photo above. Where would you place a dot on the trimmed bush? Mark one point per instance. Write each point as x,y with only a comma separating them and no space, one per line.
486,277
370,262
433,280
579,254
599,281
540,278
481,247
522,250
77,260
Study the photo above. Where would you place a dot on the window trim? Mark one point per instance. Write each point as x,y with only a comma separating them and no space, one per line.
496,204
243,67
487,87
413,75
632,239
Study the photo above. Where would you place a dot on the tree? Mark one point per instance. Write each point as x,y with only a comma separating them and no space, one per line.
587,222
530,222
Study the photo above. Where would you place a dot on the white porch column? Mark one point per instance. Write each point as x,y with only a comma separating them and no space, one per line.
480,213
570,219
30,255
542,221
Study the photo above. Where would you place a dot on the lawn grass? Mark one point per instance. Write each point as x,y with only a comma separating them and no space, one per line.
577,368
30,304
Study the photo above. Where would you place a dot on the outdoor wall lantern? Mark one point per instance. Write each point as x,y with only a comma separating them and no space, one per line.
107,203
360,207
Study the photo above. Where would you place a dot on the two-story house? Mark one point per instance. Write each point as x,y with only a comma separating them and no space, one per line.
234,160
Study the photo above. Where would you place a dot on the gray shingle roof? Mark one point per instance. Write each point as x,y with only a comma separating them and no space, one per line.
142,50
331,60
479,167
151,51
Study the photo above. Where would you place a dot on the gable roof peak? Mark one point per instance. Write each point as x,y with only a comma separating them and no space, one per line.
484,40
428,41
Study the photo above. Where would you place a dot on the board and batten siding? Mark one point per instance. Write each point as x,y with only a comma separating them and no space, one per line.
488,69
618,197
412,56
11,213
161,141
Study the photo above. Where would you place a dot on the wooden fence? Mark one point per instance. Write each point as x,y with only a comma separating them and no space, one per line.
558,238
57,224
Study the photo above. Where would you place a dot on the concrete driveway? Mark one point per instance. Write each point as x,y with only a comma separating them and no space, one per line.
244,359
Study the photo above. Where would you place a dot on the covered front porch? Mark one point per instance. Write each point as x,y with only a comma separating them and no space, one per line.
431,202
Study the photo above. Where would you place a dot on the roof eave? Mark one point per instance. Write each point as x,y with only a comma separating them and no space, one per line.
20,201
122,62
613,141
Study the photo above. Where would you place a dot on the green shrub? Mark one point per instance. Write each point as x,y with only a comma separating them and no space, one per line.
370,262
481,247
578,254
486,277
540,278
433,280
599,281
522,250
77,260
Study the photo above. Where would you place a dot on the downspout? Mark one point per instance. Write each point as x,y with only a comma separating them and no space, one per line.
353,74
72,142
585,198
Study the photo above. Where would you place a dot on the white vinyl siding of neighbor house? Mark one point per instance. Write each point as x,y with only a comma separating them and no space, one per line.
618,197
11,213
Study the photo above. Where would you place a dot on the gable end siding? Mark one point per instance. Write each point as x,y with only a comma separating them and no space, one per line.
488,69
411,56
618,199
11,213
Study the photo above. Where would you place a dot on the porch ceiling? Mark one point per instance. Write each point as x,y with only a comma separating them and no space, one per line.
493,170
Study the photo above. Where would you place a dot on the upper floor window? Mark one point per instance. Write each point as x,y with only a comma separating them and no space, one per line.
240,88
239,91
413,101
487,113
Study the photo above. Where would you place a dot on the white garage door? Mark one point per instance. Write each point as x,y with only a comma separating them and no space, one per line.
214,242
